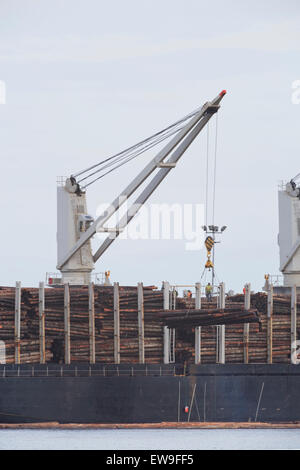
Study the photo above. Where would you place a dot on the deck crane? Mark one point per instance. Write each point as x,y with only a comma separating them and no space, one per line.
75,227
289,231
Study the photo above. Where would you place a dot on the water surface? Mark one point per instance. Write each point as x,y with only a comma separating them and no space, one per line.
147,439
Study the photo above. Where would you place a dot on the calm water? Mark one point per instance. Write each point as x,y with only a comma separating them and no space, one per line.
175,439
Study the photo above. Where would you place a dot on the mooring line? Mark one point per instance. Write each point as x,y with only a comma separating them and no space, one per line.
204,403
178,408
192,401
259,400
196,403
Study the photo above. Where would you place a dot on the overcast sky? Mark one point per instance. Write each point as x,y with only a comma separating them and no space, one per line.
86,78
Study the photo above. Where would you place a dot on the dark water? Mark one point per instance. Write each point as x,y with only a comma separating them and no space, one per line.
175,439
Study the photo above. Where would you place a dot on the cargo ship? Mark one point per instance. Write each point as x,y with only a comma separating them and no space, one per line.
133,368
149,394
84,351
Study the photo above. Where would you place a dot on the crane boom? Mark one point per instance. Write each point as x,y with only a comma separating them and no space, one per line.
155,182
76,228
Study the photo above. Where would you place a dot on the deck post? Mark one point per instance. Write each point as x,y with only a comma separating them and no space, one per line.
221,328
247,304
116,323
17,322
141,323
92,323
198,328
166,305
173,297
42,322
270,325
67,323
294,325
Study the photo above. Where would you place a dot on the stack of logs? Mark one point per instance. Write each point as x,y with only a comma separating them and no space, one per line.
79,324
191,318
153,327
29,325
234,336
281,324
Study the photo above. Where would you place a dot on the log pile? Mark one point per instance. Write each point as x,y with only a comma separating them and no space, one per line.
207,318
79,324
30,326
233,317
281,327
234,338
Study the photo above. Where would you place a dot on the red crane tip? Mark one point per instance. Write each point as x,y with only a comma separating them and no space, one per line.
223,92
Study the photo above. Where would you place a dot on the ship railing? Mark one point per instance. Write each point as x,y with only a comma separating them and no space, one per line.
90,371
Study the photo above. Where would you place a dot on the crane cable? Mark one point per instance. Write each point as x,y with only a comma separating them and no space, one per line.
214,182
122,160
128,154
207,174
135,150
215,171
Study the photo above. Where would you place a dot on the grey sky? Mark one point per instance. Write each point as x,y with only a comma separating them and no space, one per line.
87,78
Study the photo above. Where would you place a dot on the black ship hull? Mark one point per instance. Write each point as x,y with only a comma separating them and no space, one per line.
149,394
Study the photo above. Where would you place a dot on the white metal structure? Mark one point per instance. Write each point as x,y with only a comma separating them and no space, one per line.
75,227
289,232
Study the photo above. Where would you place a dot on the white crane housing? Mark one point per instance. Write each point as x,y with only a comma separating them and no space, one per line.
289,232
72,221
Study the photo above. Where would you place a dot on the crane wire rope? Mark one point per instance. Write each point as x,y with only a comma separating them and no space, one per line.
138,150
129,153
127,158
215,171
203,274
207,174
213,195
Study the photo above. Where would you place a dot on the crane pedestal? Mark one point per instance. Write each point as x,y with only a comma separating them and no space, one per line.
72,221
289,235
